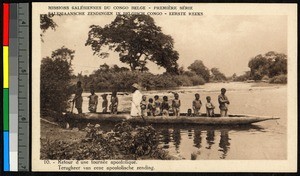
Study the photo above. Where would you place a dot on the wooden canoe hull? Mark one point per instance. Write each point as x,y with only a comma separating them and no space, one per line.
202,120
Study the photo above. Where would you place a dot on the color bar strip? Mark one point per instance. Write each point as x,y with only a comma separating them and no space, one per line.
5,109
6,15
5,68
5,24
6,151
13,86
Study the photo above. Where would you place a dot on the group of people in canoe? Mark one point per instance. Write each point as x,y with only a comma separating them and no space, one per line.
141,106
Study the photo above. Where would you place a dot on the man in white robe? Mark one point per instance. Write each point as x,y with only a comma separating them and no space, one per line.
136,100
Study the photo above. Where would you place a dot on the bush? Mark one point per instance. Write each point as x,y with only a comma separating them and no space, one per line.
197,80
241,78
123,142
280,79
183,80
265,78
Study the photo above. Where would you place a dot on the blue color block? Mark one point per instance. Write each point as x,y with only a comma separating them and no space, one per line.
6,150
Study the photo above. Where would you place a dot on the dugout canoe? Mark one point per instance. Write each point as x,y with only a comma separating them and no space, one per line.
241,119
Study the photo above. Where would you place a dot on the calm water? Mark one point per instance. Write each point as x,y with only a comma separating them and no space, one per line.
264,140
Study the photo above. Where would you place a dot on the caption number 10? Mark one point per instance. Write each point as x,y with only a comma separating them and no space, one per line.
47,162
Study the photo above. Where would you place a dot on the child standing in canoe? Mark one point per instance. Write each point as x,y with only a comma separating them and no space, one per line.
176,105
165,107
143,105
197,105
157,105
150,107
114,103
104,103
93,101
209,107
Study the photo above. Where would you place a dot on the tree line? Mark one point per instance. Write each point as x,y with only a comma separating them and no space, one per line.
121,78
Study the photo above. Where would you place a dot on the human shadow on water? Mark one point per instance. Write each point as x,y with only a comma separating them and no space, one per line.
165,137
175,133
172,135
210,138
176,138
197,138
224,143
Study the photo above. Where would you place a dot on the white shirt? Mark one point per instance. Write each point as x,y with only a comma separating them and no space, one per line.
135,104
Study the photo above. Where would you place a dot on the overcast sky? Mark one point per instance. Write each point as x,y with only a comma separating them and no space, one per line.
225,42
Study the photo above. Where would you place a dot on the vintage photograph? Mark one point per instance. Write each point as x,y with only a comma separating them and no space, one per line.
161,82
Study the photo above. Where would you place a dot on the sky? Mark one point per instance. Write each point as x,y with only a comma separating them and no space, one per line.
225,42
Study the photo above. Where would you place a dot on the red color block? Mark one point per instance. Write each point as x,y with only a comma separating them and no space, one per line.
5,24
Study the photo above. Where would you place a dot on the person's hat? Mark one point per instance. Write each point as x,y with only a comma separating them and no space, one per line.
135,85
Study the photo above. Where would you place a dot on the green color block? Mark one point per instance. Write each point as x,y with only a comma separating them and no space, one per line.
5,109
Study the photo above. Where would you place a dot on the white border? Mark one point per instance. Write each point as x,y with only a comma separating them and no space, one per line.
289,165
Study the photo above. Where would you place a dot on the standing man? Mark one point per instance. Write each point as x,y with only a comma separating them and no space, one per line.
223,102
78,97
136,100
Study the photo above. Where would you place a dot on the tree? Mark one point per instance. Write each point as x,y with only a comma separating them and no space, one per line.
137,40
277,63
200,69
64,54
258,67
270,64
46,22
217,75
55,80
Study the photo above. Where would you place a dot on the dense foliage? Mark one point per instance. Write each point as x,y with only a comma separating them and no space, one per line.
270,64
137,40
55,80
123,142
216,75
270,67
280,79
241,78
200,69
121,79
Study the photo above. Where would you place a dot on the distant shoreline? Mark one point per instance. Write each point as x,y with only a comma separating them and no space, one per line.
202,87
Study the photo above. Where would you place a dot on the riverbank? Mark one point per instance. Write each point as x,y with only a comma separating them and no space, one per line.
92,143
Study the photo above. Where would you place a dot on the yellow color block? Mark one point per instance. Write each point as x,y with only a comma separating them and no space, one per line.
5,67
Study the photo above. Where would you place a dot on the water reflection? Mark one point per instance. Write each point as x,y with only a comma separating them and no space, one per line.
210,137
197,138
176,138
190,134
204,141
224,143
181,135
165,138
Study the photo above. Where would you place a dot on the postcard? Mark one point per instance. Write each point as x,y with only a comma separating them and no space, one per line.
164,87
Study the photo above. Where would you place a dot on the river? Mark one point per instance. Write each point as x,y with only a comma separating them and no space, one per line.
262,141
